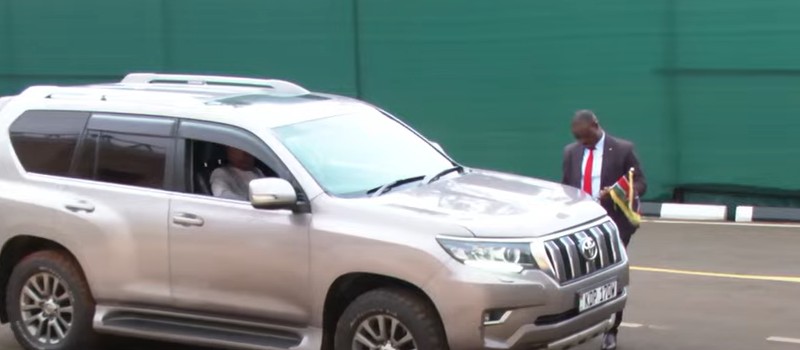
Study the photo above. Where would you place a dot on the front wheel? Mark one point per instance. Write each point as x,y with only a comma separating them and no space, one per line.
49,303
390,319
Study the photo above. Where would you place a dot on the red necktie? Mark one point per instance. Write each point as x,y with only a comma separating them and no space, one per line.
587,173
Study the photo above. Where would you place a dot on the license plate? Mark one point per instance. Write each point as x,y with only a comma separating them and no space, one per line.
597,296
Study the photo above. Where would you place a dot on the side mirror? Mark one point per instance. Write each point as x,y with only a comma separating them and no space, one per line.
272,193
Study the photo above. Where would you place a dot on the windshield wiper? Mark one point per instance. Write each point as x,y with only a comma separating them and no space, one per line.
444,172
377,191
387,187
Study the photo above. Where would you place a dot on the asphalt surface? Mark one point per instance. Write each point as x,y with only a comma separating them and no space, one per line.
707,291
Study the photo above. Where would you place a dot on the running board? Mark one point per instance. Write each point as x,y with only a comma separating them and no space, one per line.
201,330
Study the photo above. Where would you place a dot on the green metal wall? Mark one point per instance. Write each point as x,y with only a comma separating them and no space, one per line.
707,89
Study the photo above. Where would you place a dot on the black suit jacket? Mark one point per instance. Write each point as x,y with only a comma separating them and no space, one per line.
618,157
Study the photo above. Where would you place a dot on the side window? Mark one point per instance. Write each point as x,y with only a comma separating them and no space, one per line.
45,141
115,150
221,170
124,159
220,160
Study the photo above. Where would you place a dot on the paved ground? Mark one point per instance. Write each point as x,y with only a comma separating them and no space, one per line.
728,309
675,311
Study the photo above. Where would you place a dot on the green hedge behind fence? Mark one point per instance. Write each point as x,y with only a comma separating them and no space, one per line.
709,90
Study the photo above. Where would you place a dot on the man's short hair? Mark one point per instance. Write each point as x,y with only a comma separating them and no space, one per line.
585,115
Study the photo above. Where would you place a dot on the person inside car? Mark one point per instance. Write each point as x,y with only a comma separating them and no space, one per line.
232,181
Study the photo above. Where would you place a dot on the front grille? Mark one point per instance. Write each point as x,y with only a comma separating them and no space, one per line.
567,260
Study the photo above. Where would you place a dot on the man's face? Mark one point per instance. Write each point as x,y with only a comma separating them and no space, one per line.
240,159
586,133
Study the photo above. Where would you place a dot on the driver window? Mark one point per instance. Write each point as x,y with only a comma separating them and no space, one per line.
222,171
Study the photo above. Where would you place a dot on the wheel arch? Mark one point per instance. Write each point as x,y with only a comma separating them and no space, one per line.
16,249
345,289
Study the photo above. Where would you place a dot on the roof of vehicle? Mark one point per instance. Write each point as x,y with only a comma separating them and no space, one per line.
216,98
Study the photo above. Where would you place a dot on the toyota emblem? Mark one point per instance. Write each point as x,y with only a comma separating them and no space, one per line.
589,248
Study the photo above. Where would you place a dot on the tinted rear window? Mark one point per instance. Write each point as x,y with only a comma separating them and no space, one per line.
45,141
124,159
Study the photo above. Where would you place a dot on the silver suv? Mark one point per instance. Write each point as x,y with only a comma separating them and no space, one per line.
359,233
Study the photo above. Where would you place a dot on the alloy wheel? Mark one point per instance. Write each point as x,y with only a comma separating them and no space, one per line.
383,332
47,308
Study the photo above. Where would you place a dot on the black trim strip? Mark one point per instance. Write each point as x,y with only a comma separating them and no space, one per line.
776,214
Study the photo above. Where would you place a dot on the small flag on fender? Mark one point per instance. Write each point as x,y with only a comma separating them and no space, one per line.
625,198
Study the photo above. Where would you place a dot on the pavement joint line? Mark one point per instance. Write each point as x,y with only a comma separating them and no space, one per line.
788,279
784,340
720,223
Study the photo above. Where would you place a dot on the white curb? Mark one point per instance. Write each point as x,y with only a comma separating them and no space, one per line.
693,211
744,214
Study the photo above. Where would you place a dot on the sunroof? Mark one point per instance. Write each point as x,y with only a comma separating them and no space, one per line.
252,99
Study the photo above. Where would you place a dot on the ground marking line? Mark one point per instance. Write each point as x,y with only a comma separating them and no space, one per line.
660,328
788,279
784,340
720,223
630,325
639,325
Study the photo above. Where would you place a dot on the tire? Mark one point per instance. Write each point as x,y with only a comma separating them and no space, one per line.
55,299
411,311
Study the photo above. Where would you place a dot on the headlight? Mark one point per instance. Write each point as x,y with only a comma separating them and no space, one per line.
491,255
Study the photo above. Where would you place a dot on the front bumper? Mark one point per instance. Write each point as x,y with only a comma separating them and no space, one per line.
542,314
583,336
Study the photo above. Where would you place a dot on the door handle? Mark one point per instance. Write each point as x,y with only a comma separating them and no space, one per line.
79,206
188,220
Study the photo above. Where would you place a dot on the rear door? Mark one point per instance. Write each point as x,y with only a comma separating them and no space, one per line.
34,164
115,203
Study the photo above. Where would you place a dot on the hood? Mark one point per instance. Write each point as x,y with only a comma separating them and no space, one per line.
497,205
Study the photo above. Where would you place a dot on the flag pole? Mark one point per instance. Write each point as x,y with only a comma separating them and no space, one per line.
630,188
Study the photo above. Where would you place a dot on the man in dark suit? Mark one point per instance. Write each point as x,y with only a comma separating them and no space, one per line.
594,163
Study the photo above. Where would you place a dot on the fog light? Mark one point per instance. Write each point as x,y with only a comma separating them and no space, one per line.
494,317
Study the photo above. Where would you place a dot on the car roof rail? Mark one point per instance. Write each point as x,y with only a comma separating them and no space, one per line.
60,92
90,93
39,91
280,86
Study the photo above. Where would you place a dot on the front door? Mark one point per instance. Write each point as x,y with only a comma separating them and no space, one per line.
227,257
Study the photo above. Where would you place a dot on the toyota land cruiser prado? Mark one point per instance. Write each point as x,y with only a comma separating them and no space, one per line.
361,233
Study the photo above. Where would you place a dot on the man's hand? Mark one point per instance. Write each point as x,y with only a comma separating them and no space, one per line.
604,192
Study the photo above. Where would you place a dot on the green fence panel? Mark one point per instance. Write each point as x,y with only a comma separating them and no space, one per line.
740,131
738,34
310,42
738,86
83,41
497,83
707,89
5,45
64,40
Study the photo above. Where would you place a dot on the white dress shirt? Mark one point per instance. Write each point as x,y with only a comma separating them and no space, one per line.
233,183
597,165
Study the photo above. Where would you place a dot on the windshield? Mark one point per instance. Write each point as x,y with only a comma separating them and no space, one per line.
353,153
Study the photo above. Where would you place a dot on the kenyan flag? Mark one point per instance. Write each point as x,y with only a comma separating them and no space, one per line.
625,198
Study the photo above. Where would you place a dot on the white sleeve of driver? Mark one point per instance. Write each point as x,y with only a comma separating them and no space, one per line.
221,185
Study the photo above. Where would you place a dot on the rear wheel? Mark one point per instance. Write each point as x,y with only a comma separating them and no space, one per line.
49,303
390,319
